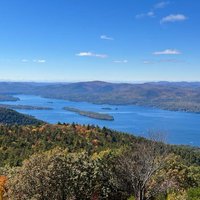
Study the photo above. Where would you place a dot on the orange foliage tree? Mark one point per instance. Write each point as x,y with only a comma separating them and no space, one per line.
3,180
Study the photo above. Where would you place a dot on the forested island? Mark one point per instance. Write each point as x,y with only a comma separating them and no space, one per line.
25,107
106,108
90,114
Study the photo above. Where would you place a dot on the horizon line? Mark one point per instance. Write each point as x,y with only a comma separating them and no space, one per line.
106,81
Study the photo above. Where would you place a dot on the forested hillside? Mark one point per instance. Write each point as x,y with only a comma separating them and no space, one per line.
70,161
8,116
181,96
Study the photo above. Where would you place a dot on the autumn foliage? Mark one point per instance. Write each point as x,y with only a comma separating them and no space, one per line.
3,180
85,162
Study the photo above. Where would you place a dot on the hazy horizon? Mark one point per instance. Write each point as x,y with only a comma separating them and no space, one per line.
84,81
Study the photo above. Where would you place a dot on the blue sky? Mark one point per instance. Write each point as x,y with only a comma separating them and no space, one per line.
110,40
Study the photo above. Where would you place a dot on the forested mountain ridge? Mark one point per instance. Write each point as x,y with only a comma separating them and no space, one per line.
180,96
11,117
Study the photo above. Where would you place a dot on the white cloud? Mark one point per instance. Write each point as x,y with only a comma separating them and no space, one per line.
162,61
151,13
35,60
39,61
147,62
105,37
101,55
171,61
90,54
24,60
84,54
143,15
173,18
161,4
167,52
120,61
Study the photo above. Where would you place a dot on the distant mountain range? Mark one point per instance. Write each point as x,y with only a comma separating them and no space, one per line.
177,96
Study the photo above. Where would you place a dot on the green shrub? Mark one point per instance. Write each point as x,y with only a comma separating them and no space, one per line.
193,194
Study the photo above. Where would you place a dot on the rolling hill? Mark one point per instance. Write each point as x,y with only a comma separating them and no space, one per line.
180,96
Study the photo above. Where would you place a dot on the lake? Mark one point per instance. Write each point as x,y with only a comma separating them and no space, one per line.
179,127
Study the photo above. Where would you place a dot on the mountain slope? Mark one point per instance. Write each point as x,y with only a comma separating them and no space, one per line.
8,116
182,96
74,137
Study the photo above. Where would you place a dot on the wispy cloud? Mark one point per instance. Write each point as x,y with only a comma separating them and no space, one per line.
161,4
171,61
35,61
84,54
146,62
152,13
105,37
120,61
90,54
173,18
24,60
167,52
143,15
39,61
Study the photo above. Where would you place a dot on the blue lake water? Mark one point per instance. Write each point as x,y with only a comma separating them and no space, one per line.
179,127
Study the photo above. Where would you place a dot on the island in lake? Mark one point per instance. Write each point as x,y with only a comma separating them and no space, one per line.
106,108
24,107
90,114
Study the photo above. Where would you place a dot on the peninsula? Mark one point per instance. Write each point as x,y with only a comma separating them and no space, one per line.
24,107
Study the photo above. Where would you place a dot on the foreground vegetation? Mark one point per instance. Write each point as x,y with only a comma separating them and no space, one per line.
69,161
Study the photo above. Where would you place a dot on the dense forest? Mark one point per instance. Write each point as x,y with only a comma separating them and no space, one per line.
70,161
181,96
11,117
